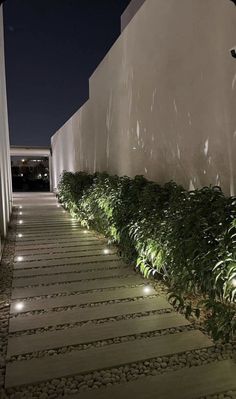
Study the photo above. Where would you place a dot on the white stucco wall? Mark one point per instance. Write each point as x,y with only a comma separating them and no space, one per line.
5,173
162,102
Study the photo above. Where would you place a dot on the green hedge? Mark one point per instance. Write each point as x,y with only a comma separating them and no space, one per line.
185,237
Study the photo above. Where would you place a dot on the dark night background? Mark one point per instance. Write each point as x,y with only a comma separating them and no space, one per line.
51,49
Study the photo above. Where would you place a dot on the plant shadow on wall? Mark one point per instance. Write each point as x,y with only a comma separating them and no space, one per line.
186,238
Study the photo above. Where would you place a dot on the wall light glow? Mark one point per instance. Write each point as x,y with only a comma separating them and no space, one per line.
20,221
19,306
19,235
20,213
106,251
85,231
234,282
20,206
19,258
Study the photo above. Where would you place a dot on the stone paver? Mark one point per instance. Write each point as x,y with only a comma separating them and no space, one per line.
37,271
85,314
86,334
190,383
83,298
74,287
78,314
62,255
67,261
37,370
61,278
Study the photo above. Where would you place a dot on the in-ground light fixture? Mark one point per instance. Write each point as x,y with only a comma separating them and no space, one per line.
106,251
147,289
19,306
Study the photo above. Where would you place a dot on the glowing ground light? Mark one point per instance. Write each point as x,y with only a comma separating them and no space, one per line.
20,206
147,289
19,305
20,235
20,213
58,206
85,231
19,258
106,251
20,221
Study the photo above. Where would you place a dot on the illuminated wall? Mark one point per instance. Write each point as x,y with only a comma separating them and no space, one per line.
163,100
5,173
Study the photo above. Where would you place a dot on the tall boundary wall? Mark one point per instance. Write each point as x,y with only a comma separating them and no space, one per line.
5,171
162,102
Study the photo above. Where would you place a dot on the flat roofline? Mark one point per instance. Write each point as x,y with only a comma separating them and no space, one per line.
17,150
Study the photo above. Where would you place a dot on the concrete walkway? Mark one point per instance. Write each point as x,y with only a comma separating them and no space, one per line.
84,324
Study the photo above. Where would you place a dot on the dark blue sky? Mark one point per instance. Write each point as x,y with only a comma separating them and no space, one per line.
51,49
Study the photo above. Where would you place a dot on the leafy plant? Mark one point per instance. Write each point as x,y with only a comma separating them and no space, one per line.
185,237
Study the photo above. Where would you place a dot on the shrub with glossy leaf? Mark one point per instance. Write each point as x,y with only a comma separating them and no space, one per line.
185,237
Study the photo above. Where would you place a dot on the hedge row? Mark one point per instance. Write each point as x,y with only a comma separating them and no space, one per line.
185,237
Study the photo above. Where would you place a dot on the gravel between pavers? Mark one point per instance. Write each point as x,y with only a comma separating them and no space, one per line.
82,306
99,344
223,395
108,377
82,323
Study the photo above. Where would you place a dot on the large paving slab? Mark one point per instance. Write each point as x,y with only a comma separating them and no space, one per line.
67,261
88,333
21,323
28,292
52,238
84,298
187,383
66,254
36,370
37,250
38,271
64,241
68,277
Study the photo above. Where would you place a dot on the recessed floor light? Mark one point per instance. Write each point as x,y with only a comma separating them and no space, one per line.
147,289
19,305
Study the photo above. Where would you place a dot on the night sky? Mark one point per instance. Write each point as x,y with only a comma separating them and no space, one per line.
51,49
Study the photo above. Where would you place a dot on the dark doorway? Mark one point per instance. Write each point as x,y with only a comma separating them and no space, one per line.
30,173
